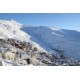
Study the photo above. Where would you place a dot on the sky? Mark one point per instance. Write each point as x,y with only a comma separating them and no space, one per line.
61,20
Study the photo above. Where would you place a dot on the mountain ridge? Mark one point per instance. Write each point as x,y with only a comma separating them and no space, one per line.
58,37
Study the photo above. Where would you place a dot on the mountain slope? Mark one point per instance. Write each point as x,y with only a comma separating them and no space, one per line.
11,37
55,40
21,45
11,29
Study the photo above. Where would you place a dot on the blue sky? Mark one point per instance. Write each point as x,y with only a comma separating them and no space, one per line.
61,20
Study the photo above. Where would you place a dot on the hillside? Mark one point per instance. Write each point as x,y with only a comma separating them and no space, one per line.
37,46
54,39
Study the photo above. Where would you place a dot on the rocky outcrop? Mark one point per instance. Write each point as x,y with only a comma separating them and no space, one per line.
24,53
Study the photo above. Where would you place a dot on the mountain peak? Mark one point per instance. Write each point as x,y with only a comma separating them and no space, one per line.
11,29
10,23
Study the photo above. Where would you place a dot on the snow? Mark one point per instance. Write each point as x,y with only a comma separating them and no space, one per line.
47,39
57,34
54,28
54,38
4,62
11,29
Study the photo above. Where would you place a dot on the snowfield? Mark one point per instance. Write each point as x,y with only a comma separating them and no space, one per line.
21,45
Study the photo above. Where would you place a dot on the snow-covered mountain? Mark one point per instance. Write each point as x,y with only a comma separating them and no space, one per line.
55,40
11,29
38,45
